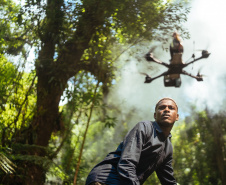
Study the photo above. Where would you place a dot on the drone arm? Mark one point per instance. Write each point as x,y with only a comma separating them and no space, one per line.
195,60
160,62
205,54
198,78
149,79
150,58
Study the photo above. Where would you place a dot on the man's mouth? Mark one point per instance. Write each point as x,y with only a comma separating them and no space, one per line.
165,116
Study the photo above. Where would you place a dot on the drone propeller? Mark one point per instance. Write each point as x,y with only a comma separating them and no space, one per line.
205,53
148,79
145,74
199,74
149,55
152,49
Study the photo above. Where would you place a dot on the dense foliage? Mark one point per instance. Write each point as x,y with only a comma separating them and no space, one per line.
202,149
76,46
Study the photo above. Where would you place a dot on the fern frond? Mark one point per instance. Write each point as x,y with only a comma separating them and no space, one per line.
6,165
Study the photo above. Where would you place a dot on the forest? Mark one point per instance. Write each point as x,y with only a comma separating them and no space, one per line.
60,63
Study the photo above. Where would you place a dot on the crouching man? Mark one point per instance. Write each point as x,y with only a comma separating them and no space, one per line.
145,149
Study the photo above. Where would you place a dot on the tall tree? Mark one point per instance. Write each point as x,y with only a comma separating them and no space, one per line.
73,36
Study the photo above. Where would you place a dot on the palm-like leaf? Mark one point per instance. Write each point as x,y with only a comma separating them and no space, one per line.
6,165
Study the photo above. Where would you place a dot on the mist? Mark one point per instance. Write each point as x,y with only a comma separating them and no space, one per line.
206,27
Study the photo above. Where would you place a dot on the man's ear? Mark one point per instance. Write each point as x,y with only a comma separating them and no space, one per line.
177,117
155,115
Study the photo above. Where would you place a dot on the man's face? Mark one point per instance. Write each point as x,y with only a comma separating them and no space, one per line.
166,113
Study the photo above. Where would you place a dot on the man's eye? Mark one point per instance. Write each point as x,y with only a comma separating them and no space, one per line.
162,107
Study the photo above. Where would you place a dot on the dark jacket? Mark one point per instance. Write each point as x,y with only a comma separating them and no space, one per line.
143,151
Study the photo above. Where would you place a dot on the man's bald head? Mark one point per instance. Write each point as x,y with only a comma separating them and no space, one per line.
165,99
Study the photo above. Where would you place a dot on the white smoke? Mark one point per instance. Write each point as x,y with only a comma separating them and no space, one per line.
207,26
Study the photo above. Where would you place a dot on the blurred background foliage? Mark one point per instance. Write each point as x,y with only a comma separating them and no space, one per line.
76,46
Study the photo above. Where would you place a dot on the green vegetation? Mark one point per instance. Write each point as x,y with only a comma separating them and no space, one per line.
77,45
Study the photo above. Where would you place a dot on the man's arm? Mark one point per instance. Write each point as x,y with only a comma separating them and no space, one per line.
165,173
130,155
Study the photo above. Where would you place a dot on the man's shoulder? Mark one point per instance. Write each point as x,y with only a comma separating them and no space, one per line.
145,123
147,126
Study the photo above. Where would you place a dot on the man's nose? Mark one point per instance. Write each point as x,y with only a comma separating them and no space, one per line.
166,109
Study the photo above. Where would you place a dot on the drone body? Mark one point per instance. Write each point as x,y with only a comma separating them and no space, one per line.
175,68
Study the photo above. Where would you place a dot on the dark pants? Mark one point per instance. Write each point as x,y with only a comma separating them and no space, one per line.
97,183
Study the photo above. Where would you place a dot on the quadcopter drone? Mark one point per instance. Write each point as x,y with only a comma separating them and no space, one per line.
175,68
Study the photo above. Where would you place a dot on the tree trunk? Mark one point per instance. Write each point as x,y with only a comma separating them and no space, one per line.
53,76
